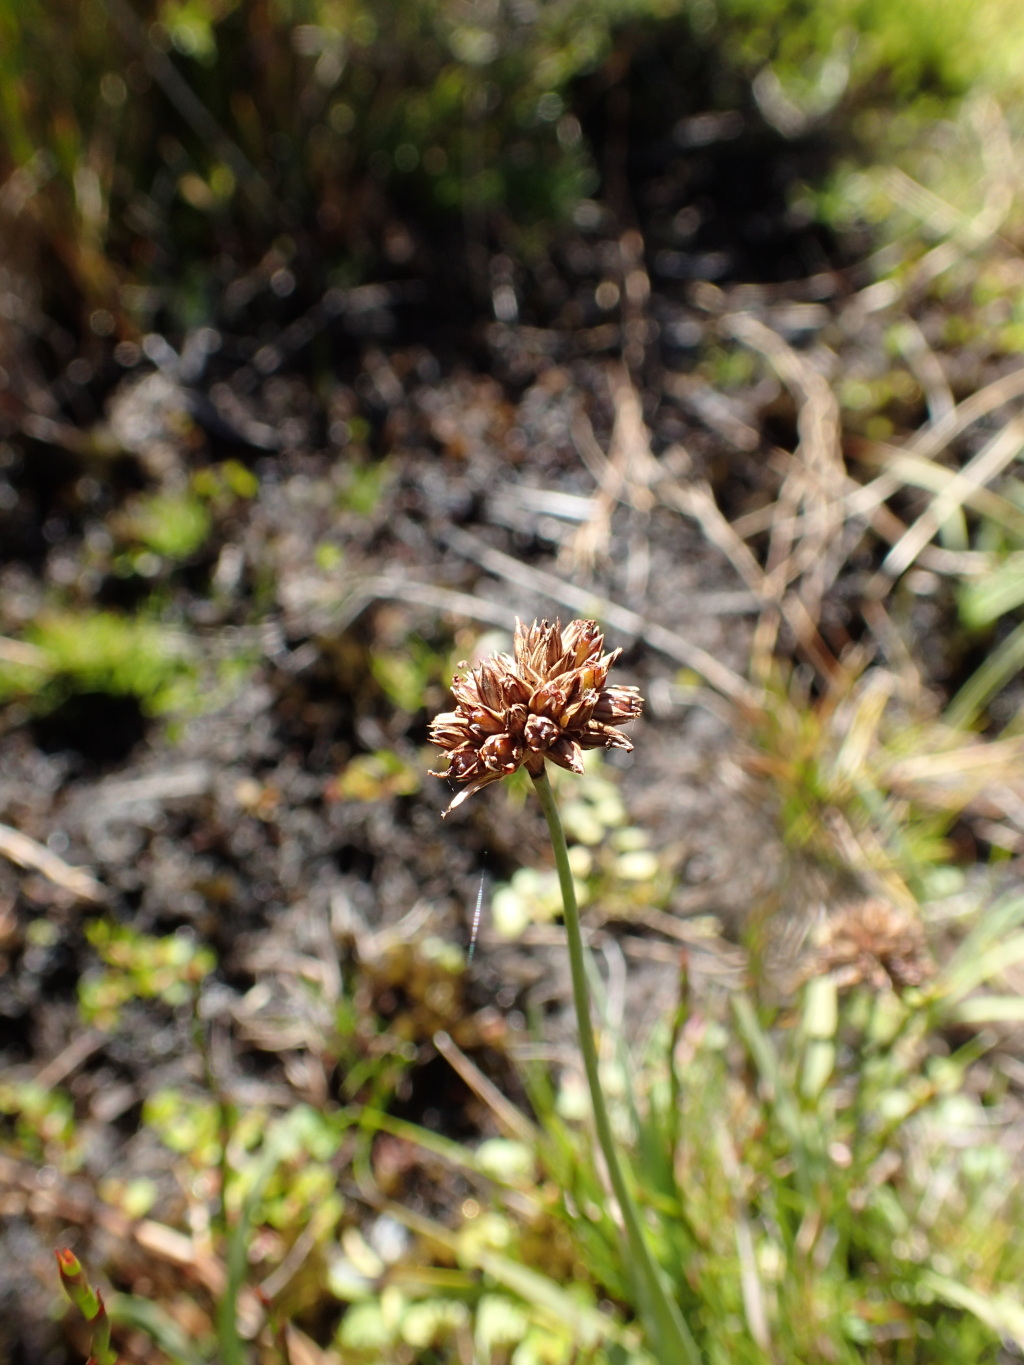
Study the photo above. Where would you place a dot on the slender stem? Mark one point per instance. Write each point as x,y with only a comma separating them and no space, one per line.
225,1110
670,1336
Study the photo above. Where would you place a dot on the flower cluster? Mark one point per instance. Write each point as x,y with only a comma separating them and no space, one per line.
546,700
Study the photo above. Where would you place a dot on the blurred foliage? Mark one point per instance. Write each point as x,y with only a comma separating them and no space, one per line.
612,865
99,651
379,776
139,967
223,485
39,1122
799,1176
364,484
213,132
919,48
404,674
171,525
821,1179
190,141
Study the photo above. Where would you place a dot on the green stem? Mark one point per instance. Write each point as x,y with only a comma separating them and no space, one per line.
670,1337
225,1111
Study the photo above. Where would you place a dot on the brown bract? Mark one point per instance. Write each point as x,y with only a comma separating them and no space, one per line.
546,700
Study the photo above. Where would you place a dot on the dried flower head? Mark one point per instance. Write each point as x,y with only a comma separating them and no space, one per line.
874,942
546,700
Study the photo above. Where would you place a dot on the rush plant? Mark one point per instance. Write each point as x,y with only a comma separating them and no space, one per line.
550,700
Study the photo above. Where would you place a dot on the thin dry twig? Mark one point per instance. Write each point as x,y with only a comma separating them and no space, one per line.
70,1058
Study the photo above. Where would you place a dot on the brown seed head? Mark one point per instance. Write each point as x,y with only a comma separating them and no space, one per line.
548,699
874,942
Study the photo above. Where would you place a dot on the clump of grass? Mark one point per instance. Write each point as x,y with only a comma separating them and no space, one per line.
460,111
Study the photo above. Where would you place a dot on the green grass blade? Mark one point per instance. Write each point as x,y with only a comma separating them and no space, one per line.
1002,1313
975,971
129,1310
990,1009
232,1348
988,679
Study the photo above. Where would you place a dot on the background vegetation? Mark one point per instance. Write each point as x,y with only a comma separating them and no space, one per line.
279,278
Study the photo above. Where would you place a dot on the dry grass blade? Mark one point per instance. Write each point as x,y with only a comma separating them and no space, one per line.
22,655
806,545
717,674
989,462
695,499
513,1123
932,440
806,520
918,471
967,777
816,477
714,410
624,475
751,1286
29,854
303,1350
927,370
863,851
363,592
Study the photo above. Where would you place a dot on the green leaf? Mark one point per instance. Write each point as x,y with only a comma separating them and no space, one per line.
1002,1313
131,1311
1001,590
990,1009
987,680
973,971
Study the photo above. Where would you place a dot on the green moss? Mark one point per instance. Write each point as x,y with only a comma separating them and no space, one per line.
99,651
139,967
170,525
